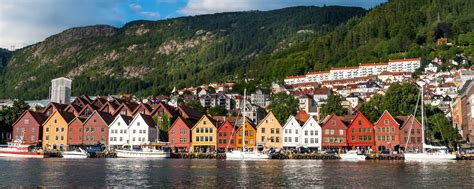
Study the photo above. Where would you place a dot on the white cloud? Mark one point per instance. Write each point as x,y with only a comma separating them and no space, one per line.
195,7
24,22
136,8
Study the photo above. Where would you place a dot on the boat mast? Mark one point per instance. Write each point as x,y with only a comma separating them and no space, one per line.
243,122
422,120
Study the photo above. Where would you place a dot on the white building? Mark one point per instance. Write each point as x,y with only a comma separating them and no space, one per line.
372,68
311,135
404,65
431,67
343,73
61,90
291,133
142,130
295,79
317,76
118,131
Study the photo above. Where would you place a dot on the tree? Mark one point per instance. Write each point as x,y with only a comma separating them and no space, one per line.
333,106
196,105
9,115
217,111
283,105
373,108
440,128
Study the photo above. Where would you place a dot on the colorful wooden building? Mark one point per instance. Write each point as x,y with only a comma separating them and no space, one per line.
226,137
142,130
311,135
250,136
386,133
75,132
28,127
204,134
360,133
269,133
410,134
334,133
119,131
55,130
96,128
292,133
180,134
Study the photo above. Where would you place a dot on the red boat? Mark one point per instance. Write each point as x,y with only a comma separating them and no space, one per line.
16,149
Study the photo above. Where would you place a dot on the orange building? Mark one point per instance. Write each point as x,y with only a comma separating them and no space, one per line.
250,136
55,130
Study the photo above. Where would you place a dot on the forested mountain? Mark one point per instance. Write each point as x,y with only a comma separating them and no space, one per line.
152,57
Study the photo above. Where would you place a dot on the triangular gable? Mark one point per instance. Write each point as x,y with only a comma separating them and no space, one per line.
204,118
268,116
125,108
99,102
359,115
73,109
143,108
291,119
409,120
80,119
66,116
53,106
166,108
87,111
336,118
105,117
126,119
310,119
148,120
39,119
109,107
386,113
187,122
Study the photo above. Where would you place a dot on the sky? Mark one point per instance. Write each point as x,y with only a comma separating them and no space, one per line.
25,22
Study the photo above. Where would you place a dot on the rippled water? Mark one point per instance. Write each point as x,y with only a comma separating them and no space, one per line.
221,173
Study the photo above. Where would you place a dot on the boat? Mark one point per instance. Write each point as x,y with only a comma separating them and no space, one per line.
245,154
143,153
75,154
428,152
352,155
17,149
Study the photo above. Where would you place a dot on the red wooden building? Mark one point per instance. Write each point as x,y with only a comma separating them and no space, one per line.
180,135
410,134
386,133
28,127
334,133
360,133
225,136
96,128
75,132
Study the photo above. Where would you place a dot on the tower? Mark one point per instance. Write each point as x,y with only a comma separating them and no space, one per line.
61,90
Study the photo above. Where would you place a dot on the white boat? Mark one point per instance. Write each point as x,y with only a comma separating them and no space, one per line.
239,155
352,155
431,153
144,153
75,154
19,150
245,155
428,152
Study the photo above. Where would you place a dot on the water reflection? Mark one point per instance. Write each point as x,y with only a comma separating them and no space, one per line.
211,173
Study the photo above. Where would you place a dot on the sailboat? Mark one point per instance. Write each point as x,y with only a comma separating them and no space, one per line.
245,154
428,152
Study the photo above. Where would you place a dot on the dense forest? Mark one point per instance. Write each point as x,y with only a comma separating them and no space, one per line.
152,57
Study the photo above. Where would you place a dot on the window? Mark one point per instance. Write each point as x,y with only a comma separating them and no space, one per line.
47,137
210,130
197,139
277,139
412,131
26,121
289,131
360,138
204,122
333,122
393,129
47,129
70,137
306,140
341,131
138,123
306,133
272,130
353,138
134,131
102,129
57,129
263,131
206,130
92,129
277,131
56,137
326,131
393,138
353,130
296,131
197,130
386,121
359,122
296,139
80,129
80,137
55,121
332,131
418,131
289,139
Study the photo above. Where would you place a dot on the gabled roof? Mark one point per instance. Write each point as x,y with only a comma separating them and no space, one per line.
359,114
111,104
82,99
247,120
147,107
80,119
291,118
75,109
189,112
386,113
126,119
99,102
189,123
309,120
203,117
126,106
302,116
87,106
165,107
106,117
408,120
67,116
56,106
267,117
148,119
38,116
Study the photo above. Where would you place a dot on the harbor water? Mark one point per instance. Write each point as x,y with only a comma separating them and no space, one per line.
181,173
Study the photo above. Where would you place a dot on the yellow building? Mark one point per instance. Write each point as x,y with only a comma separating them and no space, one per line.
203,135
269,133
55,130
250,134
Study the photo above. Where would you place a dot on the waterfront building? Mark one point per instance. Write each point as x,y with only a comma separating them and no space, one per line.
75,132
86,111
125,109
291,133
268,133
143,108
55,130
334,133
311,135
96,128
119,132
226,136
463,111
28,127
52,107
142,130
72,108
410,134
179,134
109,107
386,133
60,90
250,135
360,133
204,134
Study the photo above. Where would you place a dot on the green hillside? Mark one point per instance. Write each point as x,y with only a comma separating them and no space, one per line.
152,57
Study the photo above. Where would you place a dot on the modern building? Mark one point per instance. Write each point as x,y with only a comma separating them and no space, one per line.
259,98
61,90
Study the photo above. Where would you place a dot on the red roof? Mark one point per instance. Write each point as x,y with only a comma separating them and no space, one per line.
317,72
295,77
345,68
375,64
405,59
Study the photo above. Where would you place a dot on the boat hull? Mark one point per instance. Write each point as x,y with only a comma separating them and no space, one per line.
246,156
352,157
138,154
429,157
24,154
